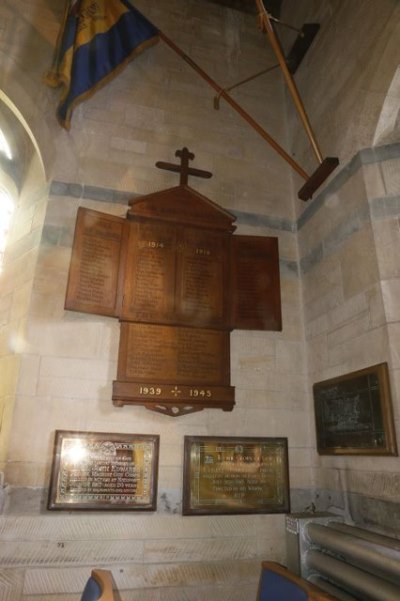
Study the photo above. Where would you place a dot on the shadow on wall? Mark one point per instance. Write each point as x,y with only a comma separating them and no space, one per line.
388,127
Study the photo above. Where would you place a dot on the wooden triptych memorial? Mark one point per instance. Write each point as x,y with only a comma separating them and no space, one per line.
179,281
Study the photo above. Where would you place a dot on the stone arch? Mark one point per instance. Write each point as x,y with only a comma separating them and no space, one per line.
23,175
27,99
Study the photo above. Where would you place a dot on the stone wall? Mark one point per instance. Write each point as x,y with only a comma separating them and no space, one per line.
348,234
348,241
348,77
68,360
339,281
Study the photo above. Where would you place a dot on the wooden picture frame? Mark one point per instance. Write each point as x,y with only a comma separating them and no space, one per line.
353,413
233,475
104,471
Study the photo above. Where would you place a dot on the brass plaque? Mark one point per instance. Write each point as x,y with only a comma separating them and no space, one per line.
159,354
256,302
224,475
93,470
94,283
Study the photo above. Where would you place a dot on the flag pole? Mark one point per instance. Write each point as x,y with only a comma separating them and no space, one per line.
276,46
223,94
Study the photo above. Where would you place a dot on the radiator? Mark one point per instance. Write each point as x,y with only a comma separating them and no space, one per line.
351,563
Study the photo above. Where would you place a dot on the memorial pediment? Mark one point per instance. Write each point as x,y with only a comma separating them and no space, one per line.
182,204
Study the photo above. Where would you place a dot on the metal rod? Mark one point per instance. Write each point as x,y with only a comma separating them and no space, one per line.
235,106
251,78
276,46
275,20
236,85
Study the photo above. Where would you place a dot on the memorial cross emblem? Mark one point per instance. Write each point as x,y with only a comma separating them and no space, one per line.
184,168
179,282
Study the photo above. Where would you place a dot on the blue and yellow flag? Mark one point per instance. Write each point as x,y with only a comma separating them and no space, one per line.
96,41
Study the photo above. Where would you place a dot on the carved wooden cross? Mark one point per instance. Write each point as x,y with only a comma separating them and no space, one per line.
184,168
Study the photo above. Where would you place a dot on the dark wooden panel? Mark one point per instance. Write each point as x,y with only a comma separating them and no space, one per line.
202,278
176,275
172,354
173,370
172,399
149,290
256,298
94,283
182,205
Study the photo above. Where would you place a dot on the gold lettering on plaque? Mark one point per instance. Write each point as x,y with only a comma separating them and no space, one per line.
241,474
106,471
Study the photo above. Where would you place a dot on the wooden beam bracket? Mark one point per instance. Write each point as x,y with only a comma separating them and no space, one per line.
318,177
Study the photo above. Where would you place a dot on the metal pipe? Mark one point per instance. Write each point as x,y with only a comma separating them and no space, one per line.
352,579
374,537
379,559
328,587
276,46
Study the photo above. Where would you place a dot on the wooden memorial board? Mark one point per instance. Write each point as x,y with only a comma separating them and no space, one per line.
176,275
97,263
93,470
175,370
256,302
173,263
225,475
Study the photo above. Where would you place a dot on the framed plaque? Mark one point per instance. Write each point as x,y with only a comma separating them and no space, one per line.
353,414
102,471
230,475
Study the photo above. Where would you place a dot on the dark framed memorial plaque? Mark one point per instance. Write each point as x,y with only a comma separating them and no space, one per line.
232,475
103,471
353,414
